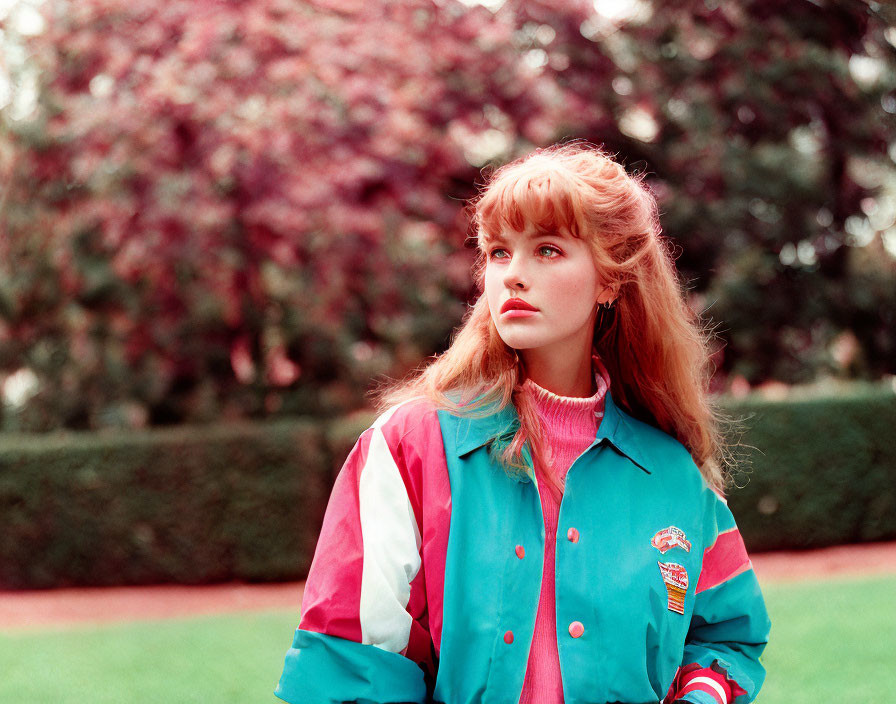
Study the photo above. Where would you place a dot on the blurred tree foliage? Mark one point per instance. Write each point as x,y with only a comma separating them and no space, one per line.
223,209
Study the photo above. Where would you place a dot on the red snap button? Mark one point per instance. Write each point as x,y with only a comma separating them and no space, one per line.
508,637
573,535
520,551
576,629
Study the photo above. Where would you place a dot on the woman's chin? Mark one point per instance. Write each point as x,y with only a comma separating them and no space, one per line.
521,342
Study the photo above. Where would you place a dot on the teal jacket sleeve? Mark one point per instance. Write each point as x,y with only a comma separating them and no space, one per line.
322,669
729,626
359,638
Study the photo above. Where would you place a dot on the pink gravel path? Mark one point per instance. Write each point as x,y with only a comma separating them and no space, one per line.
839,561
64,607
68,607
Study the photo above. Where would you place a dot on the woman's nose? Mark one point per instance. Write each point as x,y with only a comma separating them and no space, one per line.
515,275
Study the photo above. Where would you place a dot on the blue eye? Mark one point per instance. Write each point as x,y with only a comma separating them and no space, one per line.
549,248
494,252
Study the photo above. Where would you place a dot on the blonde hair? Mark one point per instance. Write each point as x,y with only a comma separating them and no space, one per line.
653,346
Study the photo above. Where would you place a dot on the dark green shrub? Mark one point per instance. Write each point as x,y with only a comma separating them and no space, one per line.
187,505
245,502
823,471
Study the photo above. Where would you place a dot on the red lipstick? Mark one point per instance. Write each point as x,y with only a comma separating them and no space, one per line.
517,304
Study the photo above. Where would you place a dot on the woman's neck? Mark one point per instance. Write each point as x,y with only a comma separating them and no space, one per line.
565,375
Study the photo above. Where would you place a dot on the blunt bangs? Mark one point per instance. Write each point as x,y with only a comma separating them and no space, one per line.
547,199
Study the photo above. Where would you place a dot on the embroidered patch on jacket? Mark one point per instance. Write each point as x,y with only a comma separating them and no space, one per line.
669,538
676,578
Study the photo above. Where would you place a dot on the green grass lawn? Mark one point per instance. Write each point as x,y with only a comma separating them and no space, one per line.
831,641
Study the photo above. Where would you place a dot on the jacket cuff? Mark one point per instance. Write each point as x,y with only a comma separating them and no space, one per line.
696,697
323,669
704,685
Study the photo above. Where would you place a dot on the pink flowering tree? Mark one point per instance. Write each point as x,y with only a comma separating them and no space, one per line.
241,208
221,209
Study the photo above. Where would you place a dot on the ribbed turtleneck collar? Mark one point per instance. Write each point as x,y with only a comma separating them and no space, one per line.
571,422
572,405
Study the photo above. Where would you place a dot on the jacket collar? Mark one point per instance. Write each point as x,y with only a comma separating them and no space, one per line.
618,429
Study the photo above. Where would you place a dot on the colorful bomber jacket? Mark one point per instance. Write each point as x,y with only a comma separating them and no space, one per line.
426,579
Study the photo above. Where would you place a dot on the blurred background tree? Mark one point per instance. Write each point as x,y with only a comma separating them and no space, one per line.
227,209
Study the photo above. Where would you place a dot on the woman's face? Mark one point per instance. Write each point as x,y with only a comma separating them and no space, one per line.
555,275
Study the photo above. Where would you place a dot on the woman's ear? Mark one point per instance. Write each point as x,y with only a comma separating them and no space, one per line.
609,293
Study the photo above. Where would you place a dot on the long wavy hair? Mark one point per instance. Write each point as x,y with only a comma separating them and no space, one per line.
655,348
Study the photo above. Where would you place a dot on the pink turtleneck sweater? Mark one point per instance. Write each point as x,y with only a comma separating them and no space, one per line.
572,424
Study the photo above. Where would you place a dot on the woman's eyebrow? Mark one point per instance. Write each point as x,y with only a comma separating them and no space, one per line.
531,235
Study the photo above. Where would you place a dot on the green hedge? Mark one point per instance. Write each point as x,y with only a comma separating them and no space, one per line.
823,471
245,502
186,505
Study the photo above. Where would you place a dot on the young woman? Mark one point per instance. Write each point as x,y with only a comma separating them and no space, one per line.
537,516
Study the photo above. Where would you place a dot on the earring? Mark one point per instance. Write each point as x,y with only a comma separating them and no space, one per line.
603,313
